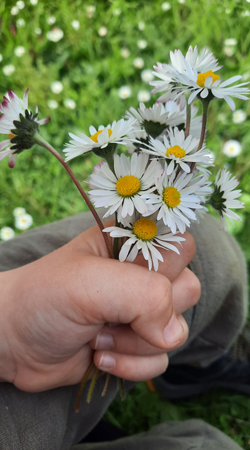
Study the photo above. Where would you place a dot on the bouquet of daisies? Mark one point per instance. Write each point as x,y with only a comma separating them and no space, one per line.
160,183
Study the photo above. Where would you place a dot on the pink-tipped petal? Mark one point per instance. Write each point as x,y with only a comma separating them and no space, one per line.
12,161
25,99
43,121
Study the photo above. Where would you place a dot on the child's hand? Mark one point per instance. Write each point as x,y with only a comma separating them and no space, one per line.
54,311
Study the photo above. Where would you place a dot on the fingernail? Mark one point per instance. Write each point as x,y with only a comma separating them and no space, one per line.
107,362
174,331
104,341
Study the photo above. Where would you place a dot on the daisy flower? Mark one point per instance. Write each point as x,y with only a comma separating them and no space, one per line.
143,236
7,233
121,191
168,72
206,83
11,108
179,150
19,211
232,148
224,195
23,222
175,199
239,116
152,119
98,139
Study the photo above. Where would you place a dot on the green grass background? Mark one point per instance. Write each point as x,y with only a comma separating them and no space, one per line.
92,70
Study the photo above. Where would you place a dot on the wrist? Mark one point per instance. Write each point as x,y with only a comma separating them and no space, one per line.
7,363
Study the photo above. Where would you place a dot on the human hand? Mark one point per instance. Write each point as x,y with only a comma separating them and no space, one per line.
54,311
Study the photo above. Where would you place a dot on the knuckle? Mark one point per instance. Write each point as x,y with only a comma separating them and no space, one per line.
194,288
160,290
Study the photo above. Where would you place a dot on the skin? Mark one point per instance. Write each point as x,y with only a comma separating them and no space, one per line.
56,314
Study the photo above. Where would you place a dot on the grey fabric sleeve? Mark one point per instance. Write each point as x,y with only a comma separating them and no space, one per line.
47,420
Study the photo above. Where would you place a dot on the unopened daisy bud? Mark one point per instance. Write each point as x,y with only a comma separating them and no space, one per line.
19,124
224,196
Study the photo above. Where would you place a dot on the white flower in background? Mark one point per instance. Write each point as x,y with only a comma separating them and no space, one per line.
6,233
227,11
141,26
175,199
90,9
228,50
239,116
1,57
56,87
121,191
144,235
20,4
98,139
75,24
245,13
143,96
182,2
125,52
232,148
165,6
23,222
138,63
11,108
224,195
230,41
245,76
102,31
124,92
69,103
55,35
19,211
142,43
19,51
147,75
52,104
117,12
179,150
14,11
51,20
9,70
33,2
222,117
20,23
38,31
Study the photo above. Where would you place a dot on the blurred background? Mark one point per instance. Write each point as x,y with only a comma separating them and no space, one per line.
86,63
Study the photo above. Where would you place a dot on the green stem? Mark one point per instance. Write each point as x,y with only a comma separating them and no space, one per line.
40,141
117,241
82,385
205,105
188,119
121,387
92,386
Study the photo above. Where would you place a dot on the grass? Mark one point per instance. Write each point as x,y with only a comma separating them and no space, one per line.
92,70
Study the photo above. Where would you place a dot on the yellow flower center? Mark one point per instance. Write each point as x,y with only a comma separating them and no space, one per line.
94,137
171,196
203,76
128,185
145,229
11,135
177,151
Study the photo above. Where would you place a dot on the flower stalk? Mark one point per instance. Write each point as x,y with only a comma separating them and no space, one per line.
40,141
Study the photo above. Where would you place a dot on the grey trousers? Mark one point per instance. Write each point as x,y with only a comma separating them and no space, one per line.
46,421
